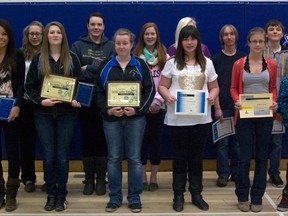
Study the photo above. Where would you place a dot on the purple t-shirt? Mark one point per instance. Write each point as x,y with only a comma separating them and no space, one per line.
205,50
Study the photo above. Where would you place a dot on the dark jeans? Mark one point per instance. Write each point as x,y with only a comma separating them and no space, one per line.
55,134
94,142
188,143
227,148
151,145
28,141
11,133
261,129
275,154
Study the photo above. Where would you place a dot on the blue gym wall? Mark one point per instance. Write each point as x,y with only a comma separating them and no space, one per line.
210,17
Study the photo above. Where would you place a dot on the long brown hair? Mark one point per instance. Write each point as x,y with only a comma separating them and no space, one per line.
161,50
65,58
28,49
9,61
180,53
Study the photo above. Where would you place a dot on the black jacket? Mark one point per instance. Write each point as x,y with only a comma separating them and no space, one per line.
34,83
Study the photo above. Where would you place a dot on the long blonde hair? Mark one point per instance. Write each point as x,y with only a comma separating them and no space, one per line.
28,49
183,22
65,58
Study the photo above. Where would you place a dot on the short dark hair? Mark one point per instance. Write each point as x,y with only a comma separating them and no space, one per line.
95,14
274,22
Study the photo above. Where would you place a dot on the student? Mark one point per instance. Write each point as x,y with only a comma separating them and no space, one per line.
223,63
12,72
31,45
253,74
283,112
54,119
153,52
274,30
188,70
184,22
124,125
92,49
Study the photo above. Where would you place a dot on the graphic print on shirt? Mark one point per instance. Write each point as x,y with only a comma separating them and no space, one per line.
191,80
6,83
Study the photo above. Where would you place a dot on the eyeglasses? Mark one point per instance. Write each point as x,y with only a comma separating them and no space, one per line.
37,34
255,42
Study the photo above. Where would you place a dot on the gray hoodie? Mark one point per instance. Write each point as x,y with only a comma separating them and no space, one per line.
92,54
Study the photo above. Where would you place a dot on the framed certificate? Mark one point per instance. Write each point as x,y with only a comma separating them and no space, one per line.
191,102
58,87
123,94
84,93
6,104
223,128
255,105
278,127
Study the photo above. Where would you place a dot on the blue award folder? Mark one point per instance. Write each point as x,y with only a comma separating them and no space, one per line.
6,104
84,93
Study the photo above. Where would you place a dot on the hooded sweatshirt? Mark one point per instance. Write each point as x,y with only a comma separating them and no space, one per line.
92,54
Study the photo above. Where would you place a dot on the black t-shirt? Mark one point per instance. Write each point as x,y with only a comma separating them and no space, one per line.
223,65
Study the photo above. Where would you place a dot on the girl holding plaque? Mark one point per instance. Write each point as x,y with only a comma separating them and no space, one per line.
153,52
54,119
253,74
188,70
123,107
12,71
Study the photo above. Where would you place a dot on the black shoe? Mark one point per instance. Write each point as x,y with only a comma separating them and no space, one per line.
89,186
50,204
276,181
197,200
222,181
145,186
2,201
61,204
100,187
29,186
111,207
178,203
283,205
135,207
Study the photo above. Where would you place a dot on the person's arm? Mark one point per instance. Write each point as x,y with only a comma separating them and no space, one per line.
32,85
147,91
20,76
213,89
234,89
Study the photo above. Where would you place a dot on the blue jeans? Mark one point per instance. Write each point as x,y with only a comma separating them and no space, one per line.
261,129
227,146
275,154
124,138
55,134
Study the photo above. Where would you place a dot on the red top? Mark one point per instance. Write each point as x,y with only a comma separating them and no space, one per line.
237,77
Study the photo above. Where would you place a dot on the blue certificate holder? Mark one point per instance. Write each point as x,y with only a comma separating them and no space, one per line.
84,93
191,102
6,104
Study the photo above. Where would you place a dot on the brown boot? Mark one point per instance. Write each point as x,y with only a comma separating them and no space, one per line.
11,193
